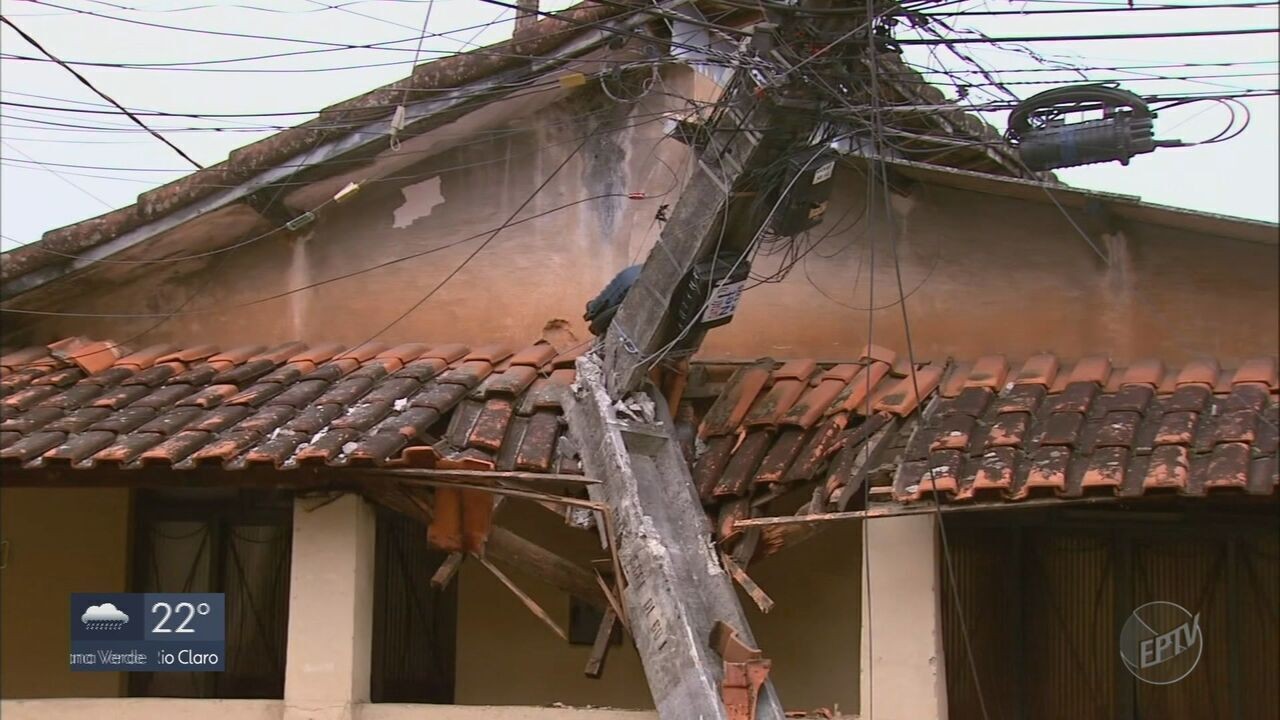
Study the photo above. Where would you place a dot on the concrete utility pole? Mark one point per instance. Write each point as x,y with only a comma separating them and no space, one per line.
699,655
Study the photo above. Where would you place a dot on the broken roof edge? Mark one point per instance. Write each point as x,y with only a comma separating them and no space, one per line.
254,166
1131,207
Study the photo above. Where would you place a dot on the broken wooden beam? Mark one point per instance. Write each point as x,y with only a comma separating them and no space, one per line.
516,553
754,591
524,598
600,648
447,570
508,549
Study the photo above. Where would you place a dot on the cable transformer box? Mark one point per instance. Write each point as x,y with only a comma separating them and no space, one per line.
810,181
709,296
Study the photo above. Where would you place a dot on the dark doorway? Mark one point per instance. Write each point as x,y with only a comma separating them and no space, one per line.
414,624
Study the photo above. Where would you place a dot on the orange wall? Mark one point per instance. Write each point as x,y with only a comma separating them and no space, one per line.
60,541
983,273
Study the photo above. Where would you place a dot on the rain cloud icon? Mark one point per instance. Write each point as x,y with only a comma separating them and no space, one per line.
104,617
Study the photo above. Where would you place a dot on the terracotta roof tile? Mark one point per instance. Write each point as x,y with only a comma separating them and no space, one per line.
492,354
986,430
189,355
732,404
448,353
91,356
534,356
235,356
145,358
1204,372
1038,370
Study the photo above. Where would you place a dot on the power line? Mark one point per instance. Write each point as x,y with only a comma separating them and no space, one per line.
1094,10
98,92
1073,38
58,175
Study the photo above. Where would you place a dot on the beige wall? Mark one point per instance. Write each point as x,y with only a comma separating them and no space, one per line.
506,656
166,709
60,541
994,274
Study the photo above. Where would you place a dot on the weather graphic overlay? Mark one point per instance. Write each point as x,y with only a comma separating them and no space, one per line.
104,617
148,632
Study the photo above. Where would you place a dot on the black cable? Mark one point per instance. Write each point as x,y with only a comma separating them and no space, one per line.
657,117
1073,38
344,276
480,247
98,92
1093,10
877,163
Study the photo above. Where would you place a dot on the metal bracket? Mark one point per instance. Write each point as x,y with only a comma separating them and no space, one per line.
745,671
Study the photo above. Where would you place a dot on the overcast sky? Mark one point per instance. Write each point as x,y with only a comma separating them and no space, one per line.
86,172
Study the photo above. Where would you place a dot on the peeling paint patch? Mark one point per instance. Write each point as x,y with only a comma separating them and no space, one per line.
419,200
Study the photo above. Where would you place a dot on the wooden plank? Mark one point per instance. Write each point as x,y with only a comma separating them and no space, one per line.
447,570
527,601
509,549
521,555
480,476
600,648
754,591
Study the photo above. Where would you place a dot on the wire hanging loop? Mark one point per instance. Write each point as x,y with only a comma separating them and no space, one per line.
620,74
1038,110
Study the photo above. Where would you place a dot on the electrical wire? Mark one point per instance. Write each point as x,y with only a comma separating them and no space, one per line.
344,276
1103,8
58,175
1088,37
479,248
85,81
435,171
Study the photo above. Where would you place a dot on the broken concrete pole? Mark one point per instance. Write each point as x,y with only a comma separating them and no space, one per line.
675,590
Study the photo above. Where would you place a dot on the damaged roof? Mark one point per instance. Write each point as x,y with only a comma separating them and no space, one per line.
988,432
439,91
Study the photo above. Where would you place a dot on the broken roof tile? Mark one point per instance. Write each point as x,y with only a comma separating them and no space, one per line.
732,404
91,356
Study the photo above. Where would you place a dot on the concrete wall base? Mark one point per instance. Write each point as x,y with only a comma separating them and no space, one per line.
167,708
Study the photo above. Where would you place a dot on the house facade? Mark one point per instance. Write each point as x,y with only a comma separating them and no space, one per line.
955,520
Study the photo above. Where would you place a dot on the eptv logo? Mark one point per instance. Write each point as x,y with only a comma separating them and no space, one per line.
1161,642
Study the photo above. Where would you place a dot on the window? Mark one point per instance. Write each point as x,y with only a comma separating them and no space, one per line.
1045,597
236,543
414,623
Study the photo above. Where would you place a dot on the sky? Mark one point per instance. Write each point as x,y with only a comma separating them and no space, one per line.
52,174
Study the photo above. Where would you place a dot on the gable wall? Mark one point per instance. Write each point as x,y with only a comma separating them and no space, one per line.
984,273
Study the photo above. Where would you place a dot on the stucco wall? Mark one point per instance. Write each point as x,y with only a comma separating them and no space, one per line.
506,656
983,273
60,542
165,709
